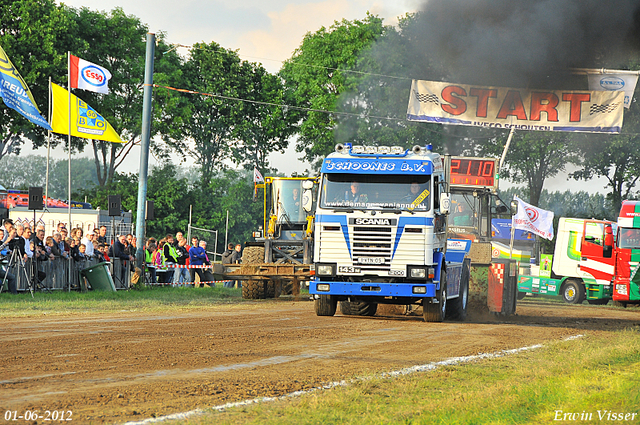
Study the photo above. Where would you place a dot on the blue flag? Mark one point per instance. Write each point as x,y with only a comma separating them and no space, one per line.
16,94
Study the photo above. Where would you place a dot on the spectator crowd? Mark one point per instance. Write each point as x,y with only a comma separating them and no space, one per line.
166,260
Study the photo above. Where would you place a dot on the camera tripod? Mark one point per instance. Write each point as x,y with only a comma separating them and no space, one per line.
16,259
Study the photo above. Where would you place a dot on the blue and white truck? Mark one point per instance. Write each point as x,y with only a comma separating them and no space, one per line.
381,234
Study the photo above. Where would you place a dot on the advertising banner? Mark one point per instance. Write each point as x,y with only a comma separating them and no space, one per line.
520,109
614,82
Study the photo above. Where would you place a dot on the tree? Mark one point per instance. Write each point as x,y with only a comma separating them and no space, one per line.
232,116
118,42
33,34
533,157
316,75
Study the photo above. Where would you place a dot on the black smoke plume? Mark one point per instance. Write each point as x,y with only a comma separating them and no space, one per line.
523,43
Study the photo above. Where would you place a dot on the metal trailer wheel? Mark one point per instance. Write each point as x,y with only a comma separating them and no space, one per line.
253,289
273,288
325,305
573,292
433,312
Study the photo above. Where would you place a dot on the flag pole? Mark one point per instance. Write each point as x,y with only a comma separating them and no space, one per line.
46,189
69,159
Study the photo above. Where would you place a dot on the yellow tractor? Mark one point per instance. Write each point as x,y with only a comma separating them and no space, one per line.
283,246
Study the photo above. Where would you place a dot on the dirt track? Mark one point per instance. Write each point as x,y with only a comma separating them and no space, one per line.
115,368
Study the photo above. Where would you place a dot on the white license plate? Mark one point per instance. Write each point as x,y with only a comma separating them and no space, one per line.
370,260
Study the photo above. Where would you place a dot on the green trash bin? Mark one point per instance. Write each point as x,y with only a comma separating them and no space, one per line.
99,277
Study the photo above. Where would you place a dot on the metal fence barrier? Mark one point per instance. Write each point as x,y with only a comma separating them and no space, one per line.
57,273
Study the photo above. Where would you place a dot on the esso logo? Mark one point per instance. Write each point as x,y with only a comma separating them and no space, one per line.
612,83
94,76
533,214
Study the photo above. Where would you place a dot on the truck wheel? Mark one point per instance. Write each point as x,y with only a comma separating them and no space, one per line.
457,308
253,255
325,305
253,289
358,308
573,292
603,301
436,312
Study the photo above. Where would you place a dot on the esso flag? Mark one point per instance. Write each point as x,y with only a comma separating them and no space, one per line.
518,109
88,76
533,219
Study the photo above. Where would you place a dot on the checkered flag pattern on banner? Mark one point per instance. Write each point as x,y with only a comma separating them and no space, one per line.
424,98
603,109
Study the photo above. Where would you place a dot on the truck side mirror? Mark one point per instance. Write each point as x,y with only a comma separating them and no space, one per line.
445,203
307,200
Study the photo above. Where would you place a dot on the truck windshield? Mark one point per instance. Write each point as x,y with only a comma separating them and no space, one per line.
369,191
629,238
286,201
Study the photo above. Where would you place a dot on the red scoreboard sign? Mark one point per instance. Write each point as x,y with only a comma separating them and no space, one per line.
473,172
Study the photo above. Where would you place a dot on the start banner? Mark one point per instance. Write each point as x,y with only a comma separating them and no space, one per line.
521,109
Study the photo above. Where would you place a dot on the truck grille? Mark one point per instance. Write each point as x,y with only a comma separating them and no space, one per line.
373,243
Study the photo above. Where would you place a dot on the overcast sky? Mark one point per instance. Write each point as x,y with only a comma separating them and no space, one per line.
262,31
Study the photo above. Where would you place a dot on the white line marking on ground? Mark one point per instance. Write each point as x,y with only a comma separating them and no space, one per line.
406,371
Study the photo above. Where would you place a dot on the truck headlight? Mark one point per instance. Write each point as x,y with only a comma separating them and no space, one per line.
419,273
325,269
621,289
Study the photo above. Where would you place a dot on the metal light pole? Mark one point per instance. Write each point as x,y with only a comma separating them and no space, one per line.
144,149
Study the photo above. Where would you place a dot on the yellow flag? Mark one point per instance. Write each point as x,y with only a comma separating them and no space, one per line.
85,121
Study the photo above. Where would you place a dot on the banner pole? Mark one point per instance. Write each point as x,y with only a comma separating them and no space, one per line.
46,189
506,148
69,158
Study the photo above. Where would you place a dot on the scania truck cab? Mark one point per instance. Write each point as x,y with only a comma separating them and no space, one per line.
381,234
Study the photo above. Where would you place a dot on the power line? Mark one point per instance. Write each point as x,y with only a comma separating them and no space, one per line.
297,63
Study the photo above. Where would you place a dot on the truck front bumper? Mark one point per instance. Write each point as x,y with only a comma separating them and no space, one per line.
373,289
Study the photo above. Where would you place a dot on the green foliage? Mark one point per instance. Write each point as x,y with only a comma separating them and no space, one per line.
22,172
172,195
315,77
118,42
615,157
533,157
33,35
212,130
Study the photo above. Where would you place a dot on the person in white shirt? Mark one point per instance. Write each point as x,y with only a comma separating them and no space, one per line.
87,240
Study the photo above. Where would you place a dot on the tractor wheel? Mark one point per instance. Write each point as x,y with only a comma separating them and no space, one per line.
274,288
325,305
253,255
457,308
573,292
602,301
358,308
253,289
433,312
